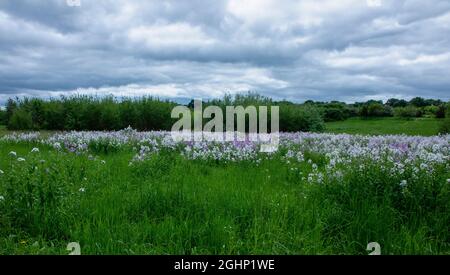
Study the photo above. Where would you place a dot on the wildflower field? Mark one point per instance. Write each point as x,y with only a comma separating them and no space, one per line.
129,192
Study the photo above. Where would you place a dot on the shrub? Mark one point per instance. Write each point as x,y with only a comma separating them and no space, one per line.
407,112
300,118
445,127
3,119
53,116
430,111
334,114
20,120
376,109
440,113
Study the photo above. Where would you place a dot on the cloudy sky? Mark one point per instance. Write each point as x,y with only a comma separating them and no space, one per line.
349,50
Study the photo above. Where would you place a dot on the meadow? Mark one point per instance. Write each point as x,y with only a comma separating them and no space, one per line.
386,126
130,192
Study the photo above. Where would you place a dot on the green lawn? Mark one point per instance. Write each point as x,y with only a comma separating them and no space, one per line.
384,126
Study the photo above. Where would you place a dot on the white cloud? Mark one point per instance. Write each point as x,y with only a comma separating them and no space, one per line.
171,35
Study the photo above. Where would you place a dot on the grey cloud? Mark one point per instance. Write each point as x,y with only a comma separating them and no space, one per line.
297,50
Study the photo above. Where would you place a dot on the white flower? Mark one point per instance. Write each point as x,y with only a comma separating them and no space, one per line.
403,183
20,159
2,198
1,172
448,180
81,189
35,150
13,154
103,162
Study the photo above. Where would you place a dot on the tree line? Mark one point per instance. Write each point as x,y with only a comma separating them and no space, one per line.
82,112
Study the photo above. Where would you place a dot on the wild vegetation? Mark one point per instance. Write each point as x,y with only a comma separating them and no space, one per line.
130,192
140,192
148,113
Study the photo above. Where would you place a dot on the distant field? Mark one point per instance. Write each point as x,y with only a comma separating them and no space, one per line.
371,126
386,126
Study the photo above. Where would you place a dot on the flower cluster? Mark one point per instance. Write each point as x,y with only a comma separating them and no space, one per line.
396,153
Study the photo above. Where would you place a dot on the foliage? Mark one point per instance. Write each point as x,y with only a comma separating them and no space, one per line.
3,118
300,118
20,120
407,112
319,194
445,127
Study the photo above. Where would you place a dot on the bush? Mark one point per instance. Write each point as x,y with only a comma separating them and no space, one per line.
445,127
89,113
430,111
3,119
440,113
334,114
20,120
407,112
300,118
376,109
53,116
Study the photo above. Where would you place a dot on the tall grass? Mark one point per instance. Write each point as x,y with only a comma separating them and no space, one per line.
169,205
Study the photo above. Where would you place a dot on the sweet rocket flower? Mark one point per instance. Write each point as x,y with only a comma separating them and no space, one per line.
57,145
395,154
403,183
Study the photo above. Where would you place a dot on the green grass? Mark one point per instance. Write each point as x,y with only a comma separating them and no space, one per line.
385,126
169,205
